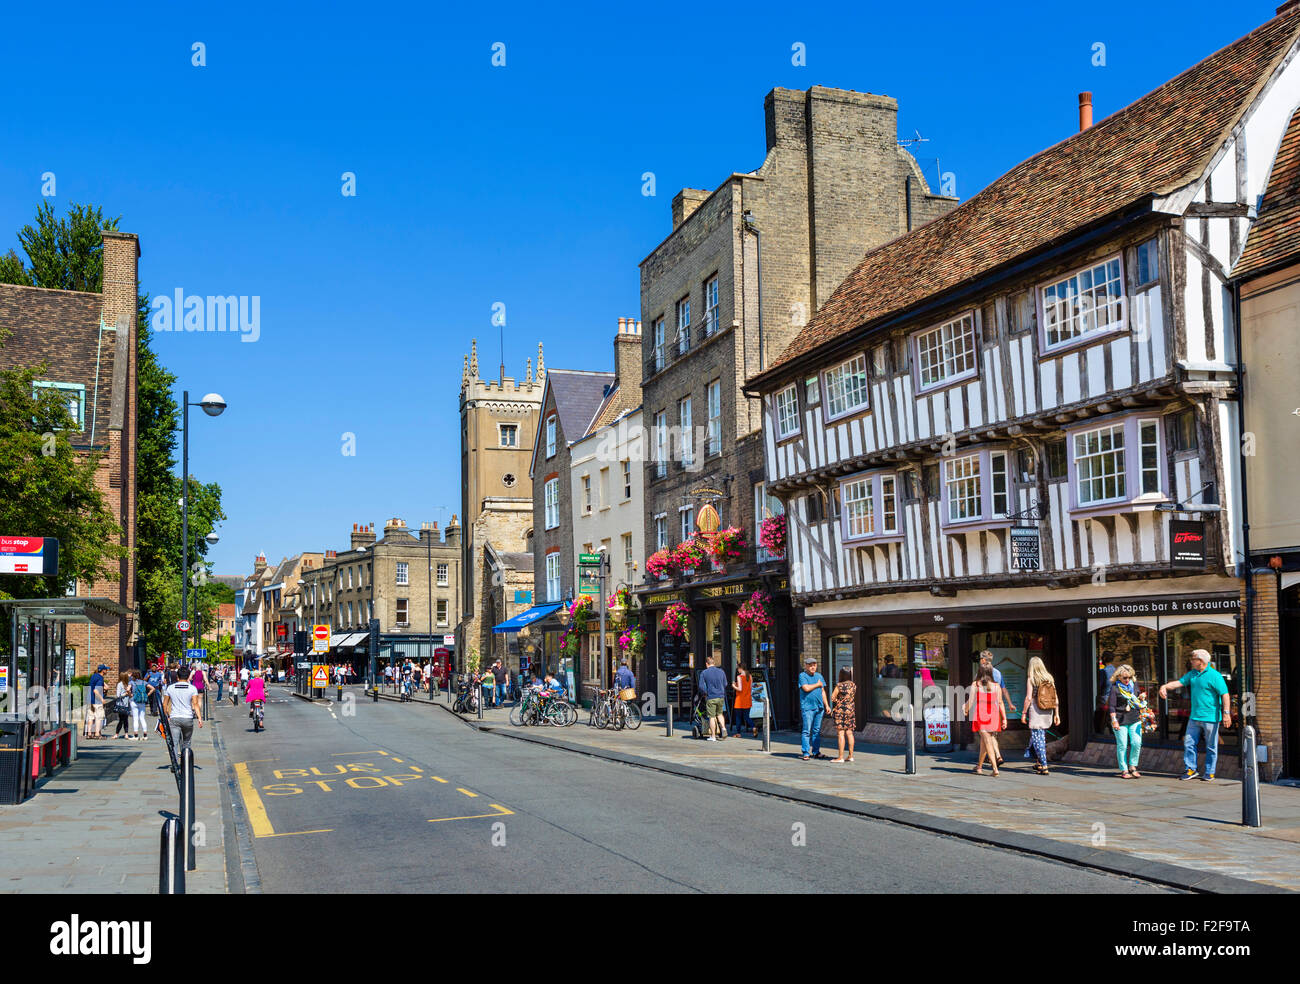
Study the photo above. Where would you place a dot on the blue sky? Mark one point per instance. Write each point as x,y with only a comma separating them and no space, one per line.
475,184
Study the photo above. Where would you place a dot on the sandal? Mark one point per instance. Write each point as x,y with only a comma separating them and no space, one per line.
1135,773
978,770
804,757
837,760
849,759
1126,775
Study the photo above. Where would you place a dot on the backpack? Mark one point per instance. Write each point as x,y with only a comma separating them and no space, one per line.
1045,696
139,692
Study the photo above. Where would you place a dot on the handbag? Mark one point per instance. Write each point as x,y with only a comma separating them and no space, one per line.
122,705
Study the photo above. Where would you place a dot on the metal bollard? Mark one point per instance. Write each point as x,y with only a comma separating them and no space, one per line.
187,805
767,722
480,703
340,693
911,741
171,866
670,721
1249,778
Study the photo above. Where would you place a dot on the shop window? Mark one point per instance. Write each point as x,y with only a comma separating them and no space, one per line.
1220,641
1011,654
839,656
889,671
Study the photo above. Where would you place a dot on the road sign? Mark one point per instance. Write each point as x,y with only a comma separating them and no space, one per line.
196,655
320,676
29,555
320,638
183,625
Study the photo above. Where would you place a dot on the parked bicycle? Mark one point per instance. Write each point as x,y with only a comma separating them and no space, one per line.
610,710
538,707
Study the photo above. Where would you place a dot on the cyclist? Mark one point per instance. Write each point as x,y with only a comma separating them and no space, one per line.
256,694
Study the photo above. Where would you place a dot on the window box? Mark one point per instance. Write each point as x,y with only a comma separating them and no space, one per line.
975,490
1117,465
870,508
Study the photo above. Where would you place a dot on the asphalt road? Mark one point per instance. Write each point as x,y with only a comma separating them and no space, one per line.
396,798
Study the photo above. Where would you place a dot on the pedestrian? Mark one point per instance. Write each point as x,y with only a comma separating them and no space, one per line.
812,708
181,705
96,723
220,676
198,679
1124,708
1042,710
844,712
740,708
625,680
713,683
989,716
388,674
171,673
986,659
499,674
140,694
489,685
1211,708
122,706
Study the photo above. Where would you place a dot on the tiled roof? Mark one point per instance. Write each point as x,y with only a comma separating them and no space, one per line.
577,396
1157,144
1275,236
611,409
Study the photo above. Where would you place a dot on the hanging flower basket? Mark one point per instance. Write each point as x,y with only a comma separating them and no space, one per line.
756,612
725,546
771,535
690,555
676,619
617,605
661,564
631,643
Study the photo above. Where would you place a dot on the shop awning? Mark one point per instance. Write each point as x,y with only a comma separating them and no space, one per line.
526,618
100,611
351,639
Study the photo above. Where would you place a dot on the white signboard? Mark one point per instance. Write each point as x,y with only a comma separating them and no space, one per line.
938,727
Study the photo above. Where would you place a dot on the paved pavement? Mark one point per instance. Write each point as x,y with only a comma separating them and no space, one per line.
391,797
94,827
1156,820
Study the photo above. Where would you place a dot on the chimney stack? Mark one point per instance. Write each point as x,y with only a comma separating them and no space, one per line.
627,361
1085,111
363,535
685,202
429,531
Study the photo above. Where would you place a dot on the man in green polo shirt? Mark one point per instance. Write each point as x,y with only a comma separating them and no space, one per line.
1210,708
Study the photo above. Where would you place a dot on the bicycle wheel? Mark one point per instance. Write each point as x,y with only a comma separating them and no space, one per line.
602,715
633,720
517,715
571,714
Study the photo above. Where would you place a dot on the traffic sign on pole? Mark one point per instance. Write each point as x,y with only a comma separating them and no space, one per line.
320,676
320,638
183,625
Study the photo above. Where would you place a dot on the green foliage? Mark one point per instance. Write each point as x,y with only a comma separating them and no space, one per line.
48,489
68,253
12,270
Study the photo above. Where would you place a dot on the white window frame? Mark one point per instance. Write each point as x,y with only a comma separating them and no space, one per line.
628,558
661,444
661,532
513,429
403,574
627,479
945,354
684,325
989,465
786,407
713,400
403,618
1107,463
836,378
442,575
1140,432
1072,309
881,517
686,434
440,614
586,495
659,344
550,436
711,306
765,507
553,576
685,523
551,503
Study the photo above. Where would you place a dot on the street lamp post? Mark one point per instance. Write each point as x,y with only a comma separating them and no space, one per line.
213,405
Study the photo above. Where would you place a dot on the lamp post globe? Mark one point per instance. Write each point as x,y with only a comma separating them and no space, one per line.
212,538
213,404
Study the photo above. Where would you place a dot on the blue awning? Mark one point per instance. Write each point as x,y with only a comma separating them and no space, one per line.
526,618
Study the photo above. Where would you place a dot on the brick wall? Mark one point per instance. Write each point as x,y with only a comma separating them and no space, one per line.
1267,668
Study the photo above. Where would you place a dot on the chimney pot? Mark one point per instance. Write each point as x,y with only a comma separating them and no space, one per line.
1085,110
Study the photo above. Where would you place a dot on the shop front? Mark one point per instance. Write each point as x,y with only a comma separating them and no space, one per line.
713,629
928,656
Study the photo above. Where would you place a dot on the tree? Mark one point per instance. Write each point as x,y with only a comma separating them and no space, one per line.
48,489
68,254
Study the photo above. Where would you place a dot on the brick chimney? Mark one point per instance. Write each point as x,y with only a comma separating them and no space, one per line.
393,527
259,564
362,535
685,202
627,360
429,531
452,537
1085,110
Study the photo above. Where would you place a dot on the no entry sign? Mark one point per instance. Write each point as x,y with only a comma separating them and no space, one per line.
320,638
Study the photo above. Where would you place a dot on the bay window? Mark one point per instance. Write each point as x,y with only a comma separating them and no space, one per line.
1087,302
946,353
1117,463
975,488
869,506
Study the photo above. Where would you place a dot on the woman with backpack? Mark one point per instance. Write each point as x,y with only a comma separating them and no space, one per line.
122,705
140,691
1041,711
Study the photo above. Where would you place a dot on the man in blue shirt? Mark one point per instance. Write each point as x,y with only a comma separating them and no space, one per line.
624,677
1211,707
97,702
812,707
713,684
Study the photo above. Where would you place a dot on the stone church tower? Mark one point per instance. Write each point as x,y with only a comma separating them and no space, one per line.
498,425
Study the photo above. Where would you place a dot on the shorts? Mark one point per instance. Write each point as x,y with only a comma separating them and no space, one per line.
715,707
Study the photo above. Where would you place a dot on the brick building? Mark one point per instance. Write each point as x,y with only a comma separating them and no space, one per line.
409,583
89,342
744,267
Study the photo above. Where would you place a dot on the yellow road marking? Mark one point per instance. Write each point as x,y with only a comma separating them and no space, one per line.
460,789
416,768
438,778
295,833
253,803
395,758
501,811
373,751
